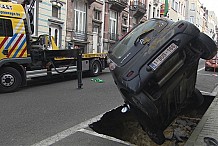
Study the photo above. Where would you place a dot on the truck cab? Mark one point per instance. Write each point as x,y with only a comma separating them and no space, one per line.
13,36
13,45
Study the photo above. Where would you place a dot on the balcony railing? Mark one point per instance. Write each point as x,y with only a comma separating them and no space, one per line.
138,8
118,5
114,36
111,36
79,35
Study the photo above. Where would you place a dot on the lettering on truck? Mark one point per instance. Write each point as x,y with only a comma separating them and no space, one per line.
5,7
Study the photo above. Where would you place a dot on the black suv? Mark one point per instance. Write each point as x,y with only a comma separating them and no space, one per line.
155,67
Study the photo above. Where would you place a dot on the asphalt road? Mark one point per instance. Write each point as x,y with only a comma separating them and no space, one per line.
44,108
47,107
207,81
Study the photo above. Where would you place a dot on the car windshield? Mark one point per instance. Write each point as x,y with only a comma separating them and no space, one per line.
130,39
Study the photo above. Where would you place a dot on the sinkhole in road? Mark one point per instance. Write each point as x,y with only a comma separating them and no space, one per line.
124,126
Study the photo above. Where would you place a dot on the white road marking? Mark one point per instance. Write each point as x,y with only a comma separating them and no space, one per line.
104,136
61,135
204,92
200,69
208,74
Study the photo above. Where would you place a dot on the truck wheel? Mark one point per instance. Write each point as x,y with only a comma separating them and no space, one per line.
95,69
207,45
10,79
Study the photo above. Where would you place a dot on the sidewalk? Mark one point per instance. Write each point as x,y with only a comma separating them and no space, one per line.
207,127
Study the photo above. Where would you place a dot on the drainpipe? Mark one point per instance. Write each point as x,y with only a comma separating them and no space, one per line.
102,27
128,23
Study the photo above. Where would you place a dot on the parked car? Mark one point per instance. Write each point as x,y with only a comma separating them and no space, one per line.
212,64
155,67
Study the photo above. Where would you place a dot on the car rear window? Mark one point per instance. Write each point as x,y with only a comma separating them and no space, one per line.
128,41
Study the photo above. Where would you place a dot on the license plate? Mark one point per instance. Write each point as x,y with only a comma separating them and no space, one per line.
163,56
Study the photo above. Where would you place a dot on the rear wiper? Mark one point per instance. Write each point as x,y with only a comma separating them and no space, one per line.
141,35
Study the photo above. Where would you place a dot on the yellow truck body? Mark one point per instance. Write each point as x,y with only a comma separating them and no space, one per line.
13,37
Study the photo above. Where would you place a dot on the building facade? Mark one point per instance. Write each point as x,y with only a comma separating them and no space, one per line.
194,12
96,25
49,17
177,9
202,18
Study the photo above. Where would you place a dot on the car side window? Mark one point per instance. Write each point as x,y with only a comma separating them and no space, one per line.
6,28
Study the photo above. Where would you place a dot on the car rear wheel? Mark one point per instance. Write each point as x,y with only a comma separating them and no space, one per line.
207,46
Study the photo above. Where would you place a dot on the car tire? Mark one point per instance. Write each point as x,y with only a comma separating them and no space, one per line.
10,79
207,46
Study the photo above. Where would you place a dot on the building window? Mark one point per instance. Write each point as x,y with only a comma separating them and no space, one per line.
176,6
173,3
192,7
154,10
124,20
198,22
124,30
33,18
184,11
179,7
96,29
191,19
79,17
149,11
55,11
97,15
113,25
6,28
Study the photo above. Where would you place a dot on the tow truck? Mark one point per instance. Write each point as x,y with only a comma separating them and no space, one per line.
22,55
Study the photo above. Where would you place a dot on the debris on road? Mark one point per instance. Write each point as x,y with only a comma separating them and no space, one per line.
97,80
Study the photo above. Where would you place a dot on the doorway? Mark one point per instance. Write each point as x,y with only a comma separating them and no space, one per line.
55,32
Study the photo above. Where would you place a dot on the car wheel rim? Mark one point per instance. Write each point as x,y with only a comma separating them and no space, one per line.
7,80
95,68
